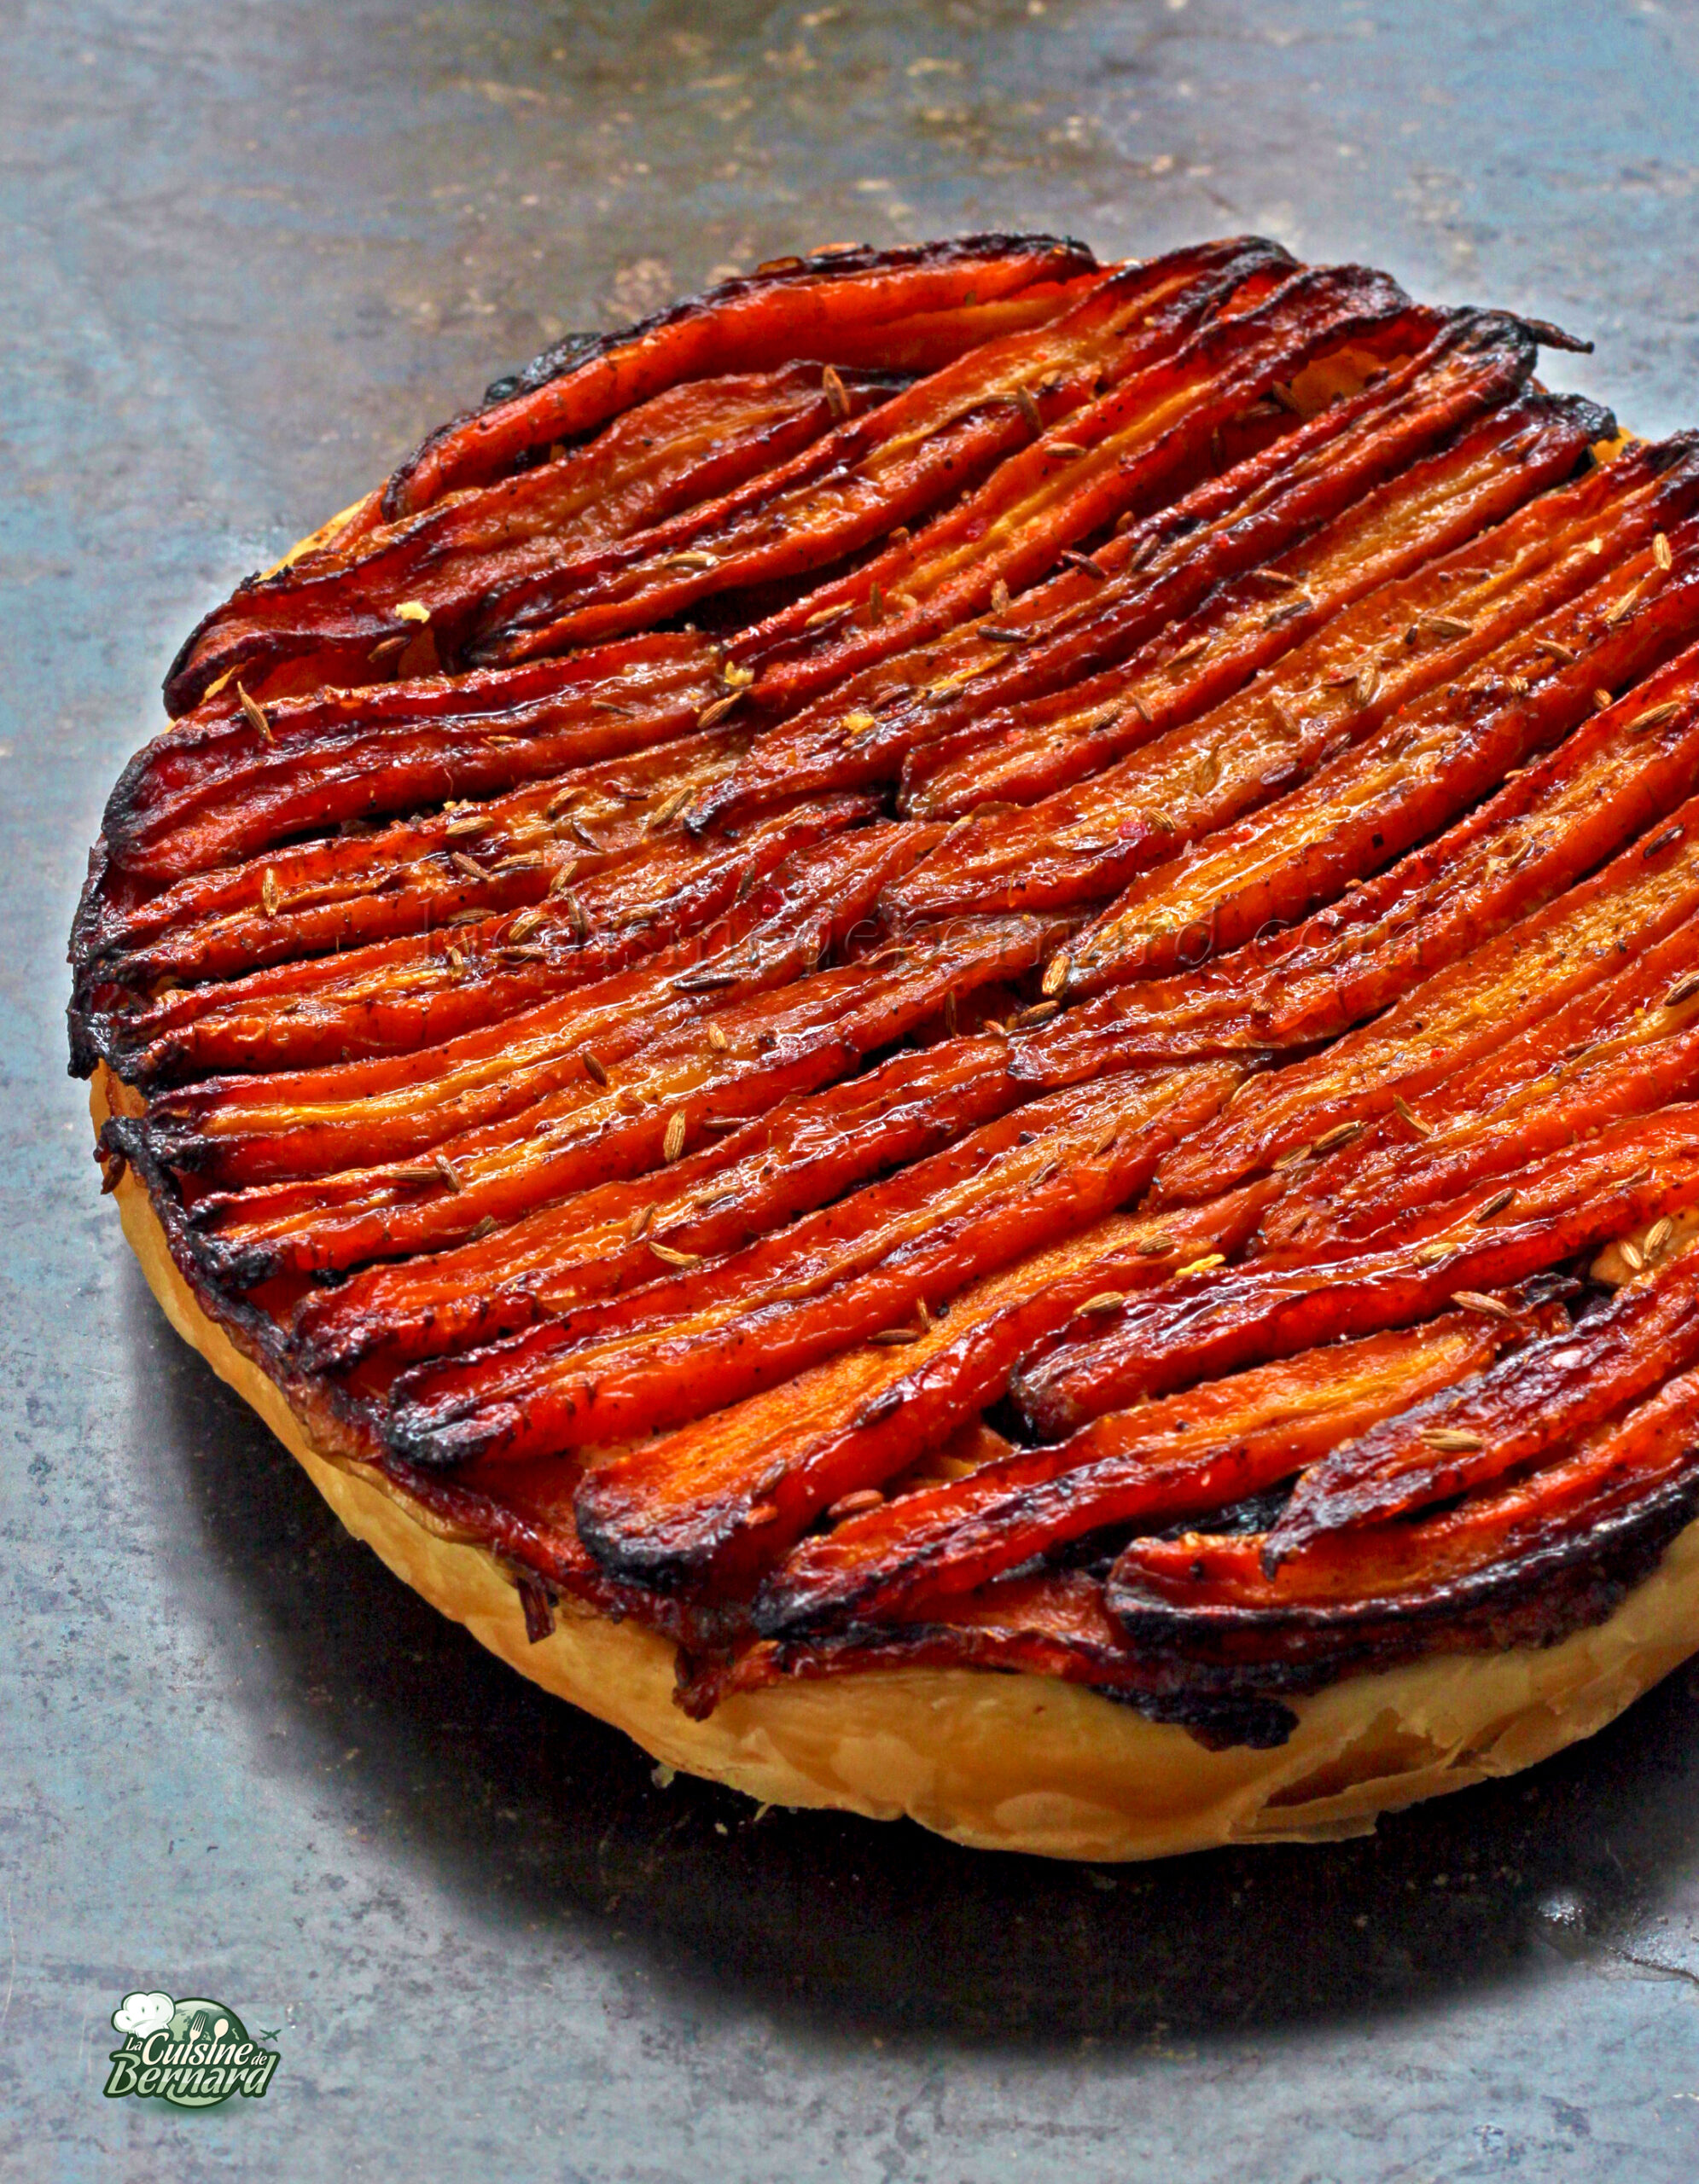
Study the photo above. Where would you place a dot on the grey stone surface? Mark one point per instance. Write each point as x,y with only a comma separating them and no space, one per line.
253,250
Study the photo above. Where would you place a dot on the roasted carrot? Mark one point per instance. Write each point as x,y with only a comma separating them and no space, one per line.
1147,1467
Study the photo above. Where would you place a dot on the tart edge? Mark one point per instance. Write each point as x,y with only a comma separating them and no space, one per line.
993,1761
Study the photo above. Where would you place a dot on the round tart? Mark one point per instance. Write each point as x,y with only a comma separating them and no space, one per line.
937,1026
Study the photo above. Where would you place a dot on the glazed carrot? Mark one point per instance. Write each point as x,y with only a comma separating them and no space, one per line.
549,1143
1496,1537
1327,697
1547,1393
738,1186
1227,1321
1149,1467
893,468
214,787
842,308
1427,764
1464,1011
333,612
712,1503
428,986
1071,626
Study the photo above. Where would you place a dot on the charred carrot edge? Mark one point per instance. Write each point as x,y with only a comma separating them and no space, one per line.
1216,1446
333,613
896,465
1553,1391
686,1510
793,307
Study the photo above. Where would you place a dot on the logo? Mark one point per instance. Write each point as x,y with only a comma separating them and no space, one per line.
193,2054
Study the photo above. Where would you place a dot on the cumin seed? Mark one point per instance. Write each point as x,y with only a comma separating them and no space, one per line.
1624,607
1472,1300
853,1504
254,714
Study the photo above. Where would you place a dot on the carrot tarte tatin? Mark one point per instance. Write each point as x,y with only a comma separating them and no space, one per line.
937,1026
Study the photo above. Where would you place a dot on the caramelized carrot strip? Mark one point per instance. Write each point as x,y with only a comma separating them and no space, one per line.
860,1270
332,896
895,468
1072,624
1549,1393
737,1187
1147,1466
425,988
778,1044
1409,780
1542,831
1465,603
1383,529
1218,1322
333,612
711,1503
1375,1570
835,308
1472,1007
212,789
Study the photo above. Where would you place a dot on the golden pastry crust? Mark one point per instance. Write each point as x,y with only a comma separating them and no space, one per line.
1000,1762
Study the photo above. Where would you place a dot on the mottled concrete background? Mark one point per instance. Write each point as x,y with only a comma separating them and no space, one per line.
252,252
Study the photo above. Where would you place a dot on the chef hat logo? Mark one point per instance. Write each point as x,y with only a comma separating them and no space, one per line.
143,2013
